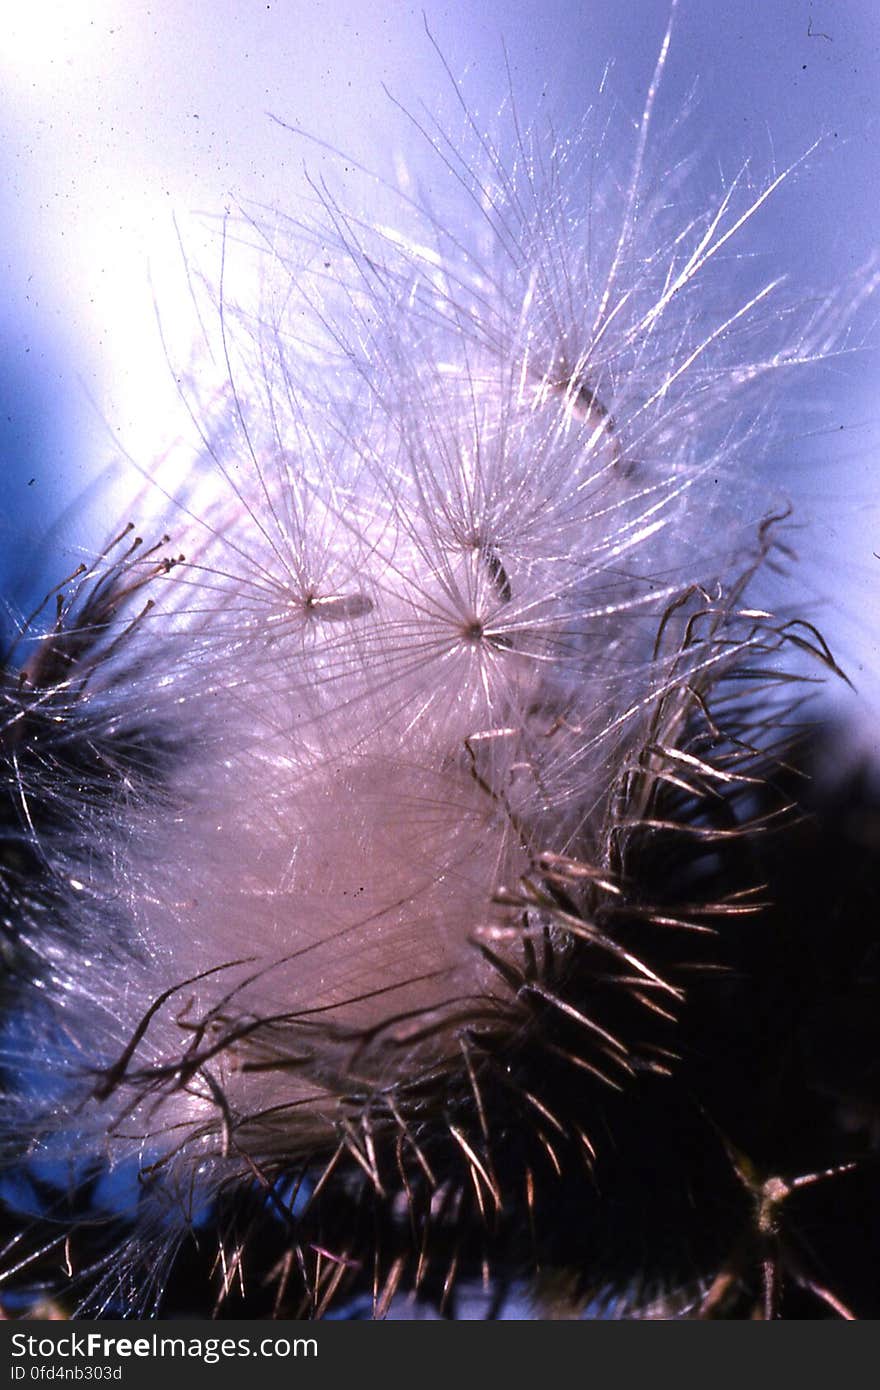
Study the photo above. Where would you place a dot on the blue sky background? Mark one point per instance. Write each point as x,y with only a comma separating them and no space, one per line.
120,119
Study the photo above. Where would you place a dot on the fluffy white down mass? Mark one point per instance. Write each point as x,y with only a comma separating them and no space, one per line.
327,789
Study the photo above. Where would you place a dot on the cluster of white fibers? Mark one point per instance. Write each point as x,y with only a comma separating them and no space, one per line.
321,865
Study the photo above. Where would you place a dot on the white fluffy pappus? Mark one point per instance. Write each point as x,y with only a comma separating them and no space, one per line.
321,866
